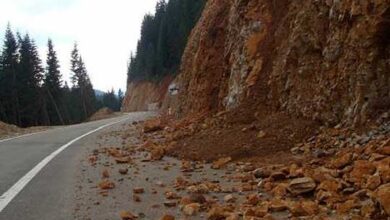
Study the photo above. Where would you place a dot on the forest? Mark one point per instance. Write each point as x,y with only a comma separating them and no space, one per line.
163,39
32,94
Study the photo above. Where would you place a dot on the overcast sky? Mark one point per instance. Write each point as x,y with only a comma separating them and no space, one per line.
105,30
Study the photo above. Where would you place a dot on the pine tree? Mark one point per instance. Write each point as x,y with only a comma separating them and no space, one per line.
9,111
29,78
120,99
164,36
52,87
82,86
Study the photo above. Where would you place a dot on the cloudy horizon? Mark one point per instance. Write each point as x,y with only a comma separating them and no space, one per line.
106,32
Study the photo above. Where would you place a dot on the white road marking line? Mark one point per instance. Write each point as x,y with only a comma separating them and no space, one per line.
9,195
21,136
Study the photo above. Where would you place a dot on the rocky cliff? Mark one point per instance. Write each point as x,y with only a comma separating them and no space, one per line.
145,95
323,60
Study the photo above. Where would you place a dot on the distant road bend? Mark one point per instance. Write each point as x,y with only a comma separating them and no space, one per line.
37,172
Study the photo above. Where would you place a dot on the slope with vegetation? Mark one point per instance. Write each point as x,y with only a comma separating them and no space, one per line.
159,51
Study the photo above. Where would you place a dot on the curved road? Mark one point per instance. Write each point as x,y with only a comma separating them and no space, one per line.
37,171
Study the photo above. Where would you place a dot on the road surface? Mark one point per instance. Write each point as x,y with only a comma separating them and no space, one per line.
37,172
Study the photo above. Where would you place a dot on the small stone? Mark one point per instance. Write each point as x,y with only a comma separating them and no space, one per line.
276,176
170,203
122,160
261,134
301,185
105,174
342,161
277,205
373,182
171,195
191,209
262,173
136,198
126,215
167,217
229,198
106,184
138,190
123,171
218,164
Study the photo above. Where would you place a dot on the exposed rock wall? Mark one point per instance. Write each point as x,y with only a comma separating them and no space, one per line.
141,96
324,60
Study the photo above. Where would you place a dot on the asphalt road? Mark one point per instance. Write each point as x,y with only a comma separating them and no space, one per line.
49,194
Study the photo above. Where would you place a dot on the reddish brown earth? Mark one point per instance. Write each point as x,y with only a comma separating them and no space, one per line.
300,89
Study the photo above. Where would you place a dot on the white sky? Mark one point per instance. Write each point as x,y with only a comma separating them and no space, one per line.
106,32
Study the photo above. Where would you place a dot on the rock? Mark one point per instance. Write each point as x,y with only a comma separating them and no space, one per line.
301,185
126,215
280,190
383,168
362,169
106,184
296,150
191,209
261,173
303,208
382,195
277,205
152,126
276,176
229,198
167,217
122,160
261,134
384,150
330,185
253,199
171,195
170,203
136,198
295,171
157,153
138,190
216,213
197,198
346,207
218,164
310,207
373,182
105,174
342,161
123,171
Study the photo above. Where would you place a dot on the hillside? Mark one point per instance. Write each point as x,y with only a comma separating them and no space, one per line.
281,83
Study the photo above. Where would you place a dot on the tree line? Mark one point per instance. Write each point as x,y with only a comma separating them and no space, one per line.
163,39
31,95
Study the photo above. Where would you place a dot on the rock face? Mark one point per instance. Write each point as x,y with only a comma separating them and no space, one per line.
143,96
323,60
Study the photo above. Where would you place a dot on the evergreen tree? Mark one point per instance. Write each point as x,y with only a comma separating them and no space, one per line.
29,78
9,111
120,99
52,87
82,90
164,36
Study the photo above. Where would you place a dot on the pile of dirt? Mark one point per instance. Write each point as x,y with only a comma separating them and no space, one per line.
102,113
7,129
332,173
